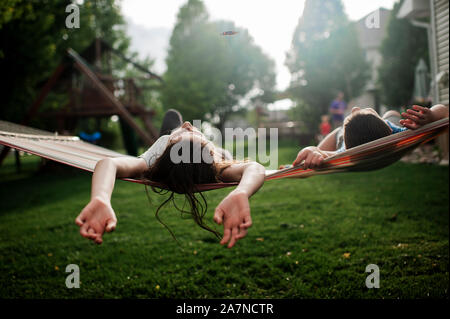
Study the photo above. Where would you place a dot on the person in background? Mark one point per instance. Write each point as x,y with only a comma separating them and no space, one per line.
324,127
337,110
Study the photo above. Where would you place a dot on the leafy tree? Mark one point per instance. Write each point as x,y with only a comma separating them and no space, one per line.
325,58
401,50
208,74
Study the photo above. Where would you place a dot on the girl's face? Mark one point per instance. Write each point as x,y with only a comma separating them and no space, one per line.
189,132
186,130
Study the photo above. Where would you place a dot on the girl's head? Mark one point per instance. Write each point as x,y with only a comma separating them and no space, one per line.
363,126
188,160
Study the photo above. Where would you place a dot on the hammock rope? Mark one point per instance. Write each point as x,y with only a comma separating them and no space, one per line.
70,150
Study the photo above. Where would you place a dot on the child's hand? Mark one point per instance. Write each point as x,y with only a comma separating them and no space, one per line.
416,117
234,212
312,157
96,218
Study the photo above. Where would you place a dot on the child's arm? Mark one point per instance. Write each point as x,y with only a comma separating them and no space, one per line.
329,142
326,148
312,156
419,116
234,210
98,215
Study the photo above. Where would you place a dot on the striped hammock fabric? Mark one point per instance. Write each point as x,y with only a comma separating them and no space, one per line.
72,151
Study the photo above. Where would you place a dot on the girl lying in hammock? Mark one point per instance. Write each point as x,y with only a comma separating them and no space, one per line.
157,165
365,125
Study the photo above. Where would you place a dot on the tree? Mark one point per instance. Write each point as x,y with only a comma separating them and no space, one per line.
401,50
325,57
208,74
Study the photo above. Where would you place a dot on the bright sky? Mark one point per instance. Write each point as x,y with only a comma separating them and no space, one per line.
270,22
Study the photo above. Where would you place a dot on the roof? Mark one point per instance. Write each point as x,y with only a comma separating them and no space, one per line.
414,9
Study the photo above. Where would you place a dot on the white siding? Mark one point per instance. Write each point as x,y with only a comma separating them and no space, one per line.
441,17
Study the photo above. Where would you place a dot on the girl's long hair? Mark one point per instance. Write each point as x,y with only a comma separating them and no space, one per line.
183,178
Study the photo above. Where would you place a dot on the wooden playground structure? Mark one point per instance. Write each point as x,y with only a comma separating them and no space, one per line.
93,92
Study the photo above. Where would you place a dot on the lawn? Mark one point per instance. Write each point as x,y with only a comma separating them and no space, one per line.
311,238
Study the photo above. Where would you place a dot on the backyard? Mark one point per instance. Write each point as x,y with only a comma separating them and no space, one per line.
311,238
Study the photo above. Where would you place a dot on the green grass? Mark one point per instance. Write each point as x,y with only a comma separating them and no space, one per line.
396,218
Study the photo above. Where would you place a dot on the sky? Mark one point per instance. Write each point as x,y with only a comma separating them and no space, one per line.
270,22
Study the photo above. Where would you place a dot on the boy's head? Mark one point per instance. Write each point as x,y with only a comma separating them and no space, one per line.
363,126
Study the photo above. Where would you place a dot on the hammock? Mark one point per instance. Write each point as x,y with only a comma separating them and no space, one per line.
72,151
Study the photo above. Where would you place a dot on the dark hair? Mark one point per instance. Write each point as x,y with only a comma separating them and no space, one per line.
183,178
363,128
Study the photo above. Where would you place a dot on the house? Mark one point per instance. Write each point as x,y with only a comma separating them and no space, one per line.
371,30
436,16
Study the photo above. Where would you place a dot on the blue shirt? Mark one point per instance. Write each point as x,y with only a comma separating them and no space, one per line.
338,105
395,128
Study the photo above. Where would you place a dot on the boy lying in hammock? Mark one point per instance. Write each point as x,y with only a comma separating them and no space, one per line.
365,125
157,165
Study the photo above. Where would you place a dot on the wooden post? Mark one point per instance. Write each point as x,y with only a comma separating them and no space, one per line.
16,153
80,65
